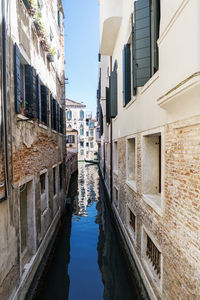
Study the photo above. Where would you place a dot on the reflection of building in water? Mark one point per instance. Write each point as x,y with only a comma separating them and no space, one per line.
88,191
113,270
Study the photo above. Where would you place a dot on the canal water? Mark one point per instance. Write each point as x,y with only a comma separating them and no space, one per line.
88,262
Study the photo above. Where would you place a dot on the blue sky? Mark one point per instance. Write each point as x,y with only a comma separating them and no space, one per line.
81,50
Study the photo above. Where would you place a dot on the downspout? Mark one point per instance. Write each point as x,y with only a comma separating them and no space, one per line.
111,150
4,40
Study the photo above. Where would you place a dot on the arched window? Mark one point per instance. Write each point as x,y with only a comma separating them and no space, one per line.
69,115
81,114
69,126
81,130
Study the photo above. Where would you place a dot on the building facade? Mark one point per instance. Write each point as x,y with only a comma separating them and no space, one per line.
149,116
32,147
90,142
76,119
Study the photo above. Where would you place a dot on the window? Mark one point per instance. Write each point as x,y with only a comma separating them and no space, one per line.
152,257
91,125
60,19
81,144
71,139
132,220
87,144
82,152
44,105
87,133
87,122
81,114
145,36
91,145
69,115
91,132
152,167
54,182
44,191
131,161
81,130
115,156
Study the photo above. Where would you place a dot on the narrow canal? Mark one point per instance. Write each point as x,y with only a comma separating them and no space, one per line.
88,262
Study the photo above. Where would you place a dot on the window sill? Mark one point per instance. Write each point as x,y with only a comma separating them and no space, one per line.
132,234
132,185
21,117
149,83
43,126
154,200
131,102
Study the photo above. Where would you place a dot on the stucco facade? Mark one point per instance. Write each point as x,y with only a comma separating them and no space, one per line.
32,151
154,178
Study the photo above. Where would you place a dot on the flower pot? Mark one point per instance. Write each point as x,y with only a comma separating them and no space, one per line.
50,57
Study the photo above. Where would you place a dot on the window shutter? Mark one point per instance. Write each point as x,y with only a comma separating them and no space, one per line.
107,105
142,38
31,104
17,78
113,94
39,98
54,114
61,120
126,75
45,105
133,60
155,33
57,117
101,121
52,120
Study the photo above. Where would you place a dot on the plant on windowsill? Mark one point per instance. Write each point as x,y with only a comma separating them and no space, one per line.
37,20
33,7
51,54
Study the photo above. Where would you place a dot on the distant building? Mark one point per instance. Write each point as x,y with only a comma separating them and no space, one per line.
75,119
72,140
90,143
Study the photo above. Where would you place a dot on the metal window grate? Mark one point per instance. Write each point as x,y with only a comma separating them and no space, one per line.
154,255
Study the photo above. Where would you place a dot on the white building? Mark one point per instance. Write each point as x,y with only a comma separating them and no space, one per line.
149,122
76,119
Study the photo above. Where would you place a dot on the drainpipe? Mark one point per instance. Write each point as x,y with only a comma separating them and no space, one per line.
4,99
111,150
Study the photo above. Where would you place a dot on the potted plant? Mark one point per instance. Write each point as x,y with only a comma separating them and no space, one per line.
33,7
37,19
51,54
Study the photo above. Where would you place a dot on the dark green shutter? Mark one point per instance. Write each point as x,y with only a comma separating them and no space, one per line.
126,75
52,120
31,103
113,94
142,39
101,121
54,114
39,98
61,120
45,104
57,116
107,105
133,60
17,78
155,33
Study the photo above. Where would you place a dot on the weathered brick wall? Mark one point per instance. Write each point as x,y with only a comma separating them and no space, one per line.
177,230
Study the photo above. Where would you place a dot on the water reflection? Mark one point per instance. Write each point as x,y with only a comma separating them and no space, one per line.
88,263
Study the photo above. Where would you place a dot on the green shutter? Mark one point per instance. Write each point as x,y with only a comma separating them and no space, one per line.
54,114
155,33
107,105
31,103
52,120
142,40
57,116
126,75
113,94
17,78
39,98
61,121
133,60
45,105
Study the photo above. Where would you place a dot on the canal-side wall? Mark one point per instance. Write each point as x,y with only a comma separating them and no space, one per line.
71,168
